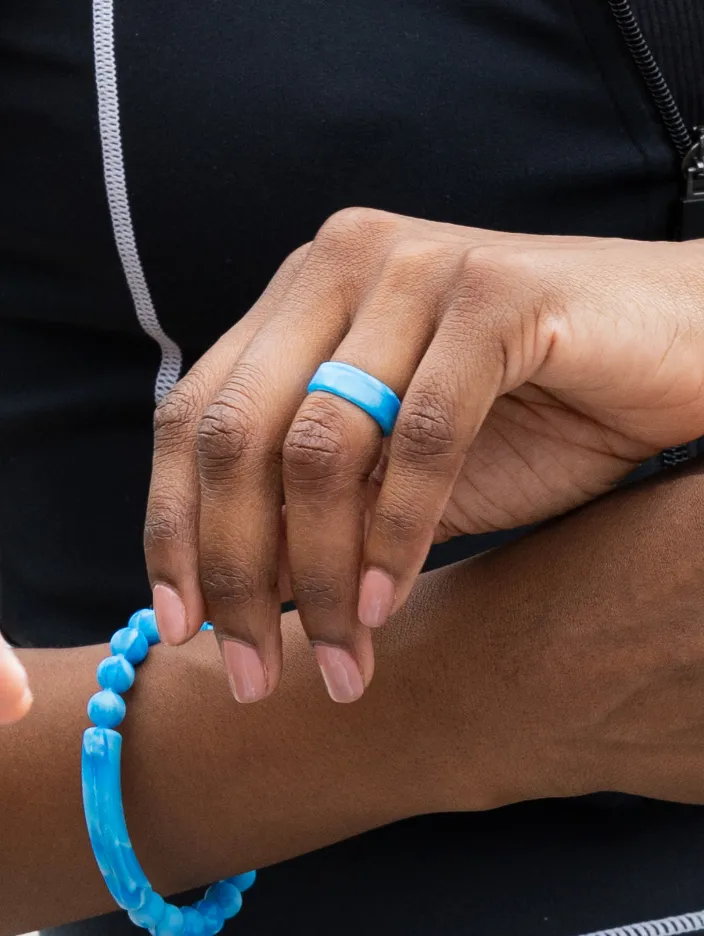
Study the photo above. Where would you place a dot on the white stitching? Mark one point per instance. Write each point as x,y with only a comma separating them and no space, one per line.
118,200
670,926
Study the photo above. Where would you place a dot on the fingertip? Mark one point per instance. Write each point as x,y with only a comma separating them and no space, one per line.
16,712
15,695
25,704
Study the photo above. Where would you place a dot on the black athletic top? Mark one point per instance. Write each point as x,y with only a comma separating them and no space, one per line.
240,127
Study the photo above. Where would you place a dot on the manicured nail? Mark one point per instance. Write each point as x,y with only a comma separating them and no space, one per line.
341,674
245,671
170,615
376,598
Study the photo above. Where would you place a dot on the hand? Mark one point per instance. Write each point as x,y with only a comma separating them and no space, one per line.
534,372
15,696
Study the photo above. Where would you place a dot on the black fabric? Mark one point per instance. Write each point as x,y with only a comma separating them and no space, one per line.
245,124
674,30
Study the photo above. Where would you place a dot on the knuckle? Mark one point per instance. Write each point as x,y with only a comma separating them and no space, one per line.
166,524
227,584
484,276
292,265
316,447
224,436
418,266
297,256
177,412
318,592
396,521
229,428
425,428
352,226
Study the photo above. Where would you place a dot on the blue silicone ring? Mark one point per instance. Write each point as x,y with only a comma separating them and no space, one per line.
360,388
102,803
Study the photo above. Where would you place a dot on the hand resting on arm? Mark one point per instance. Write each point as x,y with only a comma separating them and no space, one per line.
567,663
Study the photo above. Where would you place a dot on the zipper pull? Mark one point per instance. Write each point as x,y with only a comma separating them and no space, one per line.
691,224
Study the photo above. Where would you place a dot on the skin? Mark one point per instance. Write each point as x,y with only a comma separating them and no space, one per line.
578,667
15,694
534,371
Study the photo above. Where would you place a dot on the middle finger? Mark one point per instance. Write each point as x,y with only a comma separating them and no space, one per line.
330,452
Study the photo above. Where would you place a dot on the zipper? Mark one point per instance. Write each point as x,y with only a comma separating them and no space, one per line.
652,76
692,209
689,147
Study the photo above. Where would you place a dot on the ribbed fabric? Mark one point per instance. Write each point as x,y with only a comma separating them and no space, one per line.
674,30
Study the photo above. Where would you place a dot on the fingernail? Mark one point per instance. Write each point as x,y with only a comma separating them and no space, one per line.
245,671
170,615
340,672
376,598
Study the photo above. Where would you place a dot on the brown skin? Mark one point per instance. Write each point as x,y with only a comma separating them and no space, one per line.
570,662
534,372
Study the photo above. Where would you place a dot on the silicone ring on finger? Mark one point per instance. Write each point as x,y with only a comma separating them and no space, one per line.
360,388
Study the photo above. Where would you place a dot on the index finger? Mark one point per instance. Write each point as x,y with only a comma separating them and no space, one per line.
171,529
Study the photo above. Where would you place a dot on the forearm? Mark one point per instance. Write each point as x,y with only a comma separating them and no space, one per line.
211,788
591,640
493,685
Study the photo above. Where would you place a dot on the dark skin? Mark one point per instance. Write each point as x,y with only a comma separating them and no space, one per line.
534,372
567,663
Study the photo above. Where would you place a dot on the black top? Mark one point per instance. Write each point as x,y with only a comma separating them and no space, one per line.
674,30
244,125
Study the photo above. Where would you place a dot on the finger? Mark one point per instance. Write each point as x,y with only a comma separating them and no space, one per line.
241,438
331,451
15,695
285,593
173,510
443,409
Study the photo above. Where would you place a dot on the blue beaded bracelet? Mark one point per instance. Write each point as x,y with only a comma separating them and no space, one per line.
102,802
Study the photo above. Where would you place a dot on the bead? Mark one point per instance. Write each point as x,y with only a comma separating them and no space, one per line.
213,917
226,896
193,922
171,924
102,800
243,881
116,673
106,709
131,643
207,627
145,622
151,912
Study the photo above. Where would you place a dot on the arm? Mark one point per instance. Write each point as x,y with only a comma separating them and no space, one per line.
569,662
211,788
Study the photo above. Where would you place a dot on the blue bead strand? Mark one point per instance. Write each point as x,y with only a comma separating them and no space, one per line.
102,802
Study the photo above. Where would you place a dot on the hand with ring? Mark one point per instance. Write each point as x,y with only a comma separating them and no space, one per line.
400,382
